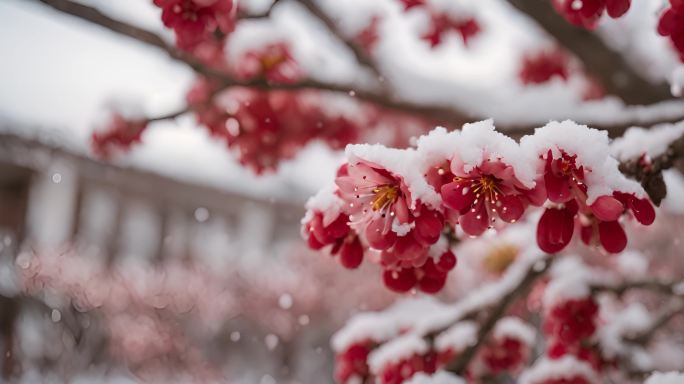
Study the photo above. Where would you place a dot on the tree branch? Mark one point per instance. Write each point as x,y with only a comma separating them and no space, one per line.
436,113
535,271
601,61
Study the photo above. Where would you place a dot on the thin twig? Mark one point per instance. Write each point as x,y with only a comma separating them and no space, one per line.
172,115
264,15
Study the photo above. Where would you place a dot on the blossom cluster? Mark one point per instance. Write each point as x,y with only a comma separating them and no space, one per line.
403,206
672,25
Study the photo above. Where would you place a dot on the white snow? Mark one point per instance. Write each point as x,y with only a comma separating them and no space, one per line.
601,170
480,142
514,328
673,202
651,142
457,337
436,147
623,324
440,377
396,350
632,264
566,367
570,279
326,202
381,326
665,378
677,81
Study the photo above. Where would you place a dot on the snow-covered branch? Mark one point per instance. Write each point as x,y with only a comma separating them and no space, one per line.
601,61
535,271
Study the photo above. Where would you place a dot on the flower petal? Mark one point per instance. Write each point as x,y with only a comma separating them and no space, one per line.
351,254
429,226
400,281
457,196
432,284
557,187
554,230
617,8
474,223
643,210
612,236
511,208
607,208
378,236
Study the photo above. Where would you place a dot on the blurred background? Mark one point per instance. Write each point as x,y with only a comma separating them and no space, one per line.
174,263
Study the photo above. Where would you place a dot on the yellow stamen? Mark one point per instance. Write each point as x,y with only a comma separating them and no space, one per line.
384,195
271,60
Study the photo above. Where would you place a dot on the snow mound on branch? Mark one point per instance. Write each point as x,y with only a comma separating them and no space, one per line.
602,175
675,189
514,328
570,279
484,296
677,82
435,316
632,264
381,326
325,201
651,142
437,147
566,367
665,378
400,162
397,350
458,337
440,377
480,142
628,322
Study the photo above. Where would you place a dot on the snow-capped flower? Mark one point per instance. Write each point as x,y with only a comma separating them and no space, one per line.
380,205
583,185
489,180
